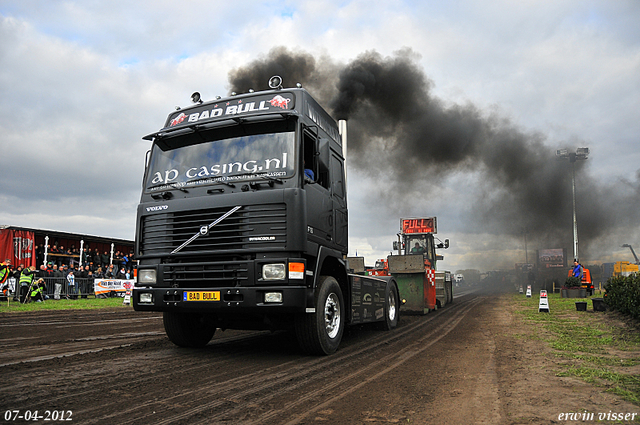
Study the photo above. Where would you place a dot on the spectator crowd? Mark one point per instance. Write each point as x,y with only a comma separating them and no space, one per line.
95,264
63,267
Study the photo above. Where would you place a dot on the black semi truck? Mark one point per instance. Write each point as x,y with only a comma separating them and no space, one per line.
243,224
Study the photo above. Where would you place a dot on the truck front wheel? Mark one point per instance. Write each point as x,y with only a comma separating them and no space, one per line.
188,329
321,332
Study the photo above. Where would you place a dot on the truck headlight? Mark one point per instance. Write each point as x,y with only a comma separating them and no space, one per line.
146,297
273,271
147,277
273,297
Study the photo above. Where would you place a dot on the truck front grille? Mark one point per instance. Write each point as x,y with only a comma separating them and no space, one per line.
249,229
206,275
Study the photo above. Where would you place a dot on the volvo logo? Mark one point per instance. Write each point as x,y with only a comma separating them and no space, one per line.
205,229
157,208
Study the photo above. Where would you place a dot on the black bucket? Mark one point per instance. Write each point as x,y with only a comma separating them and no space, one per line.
581,305
598,304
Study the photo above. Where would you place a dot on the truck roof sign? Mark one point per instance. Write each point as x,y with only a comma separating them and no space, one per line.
418,225
232,107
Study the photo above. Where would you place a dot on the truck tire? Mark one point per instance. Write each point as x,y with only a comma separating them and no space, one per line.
391,307
187,329
320,333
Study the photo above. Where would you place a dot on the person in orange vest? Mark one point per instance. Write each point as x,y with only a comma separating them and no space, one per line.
5,271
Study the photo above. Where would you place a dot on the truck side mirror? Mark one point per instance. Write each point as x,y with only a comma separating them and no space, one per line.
323,153
395,245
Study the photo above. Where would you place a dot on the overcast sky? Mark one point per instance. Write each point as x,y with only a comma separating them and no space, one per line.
82,81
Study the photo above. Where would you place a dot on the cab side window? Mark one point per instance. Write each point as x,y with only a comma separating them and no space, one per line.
337,177
308,154
321,171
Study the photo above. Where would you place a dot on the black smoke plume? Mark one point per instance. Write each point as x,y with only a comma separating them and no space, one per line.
401,133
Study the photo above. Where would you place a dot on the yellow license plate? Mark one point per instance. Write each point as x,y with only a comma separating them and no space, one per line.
201,296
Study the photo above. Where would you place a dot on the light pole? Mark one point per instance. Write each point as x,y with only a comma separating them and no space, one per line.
579,154
526,255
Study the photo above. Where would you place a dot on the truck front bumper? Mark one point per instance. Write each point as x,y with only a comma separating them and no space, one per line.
264,299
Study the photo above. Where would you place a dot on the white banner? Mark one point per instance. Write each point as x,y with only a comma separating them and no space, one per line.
119,286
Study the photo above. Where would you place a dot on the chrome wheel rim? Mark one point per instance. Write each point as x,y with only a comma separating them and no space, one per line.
392,306
332,315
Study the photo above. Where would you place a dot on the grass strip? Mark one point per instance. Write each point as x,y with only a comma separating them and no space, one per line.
79,304
589,346
627,386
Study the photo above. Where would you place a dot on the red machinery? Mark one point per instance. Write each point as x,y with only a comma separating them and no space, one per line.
586,281
414,266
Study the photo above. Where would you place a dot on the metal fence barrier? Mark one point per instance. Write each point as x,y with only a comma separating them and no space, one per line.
61,288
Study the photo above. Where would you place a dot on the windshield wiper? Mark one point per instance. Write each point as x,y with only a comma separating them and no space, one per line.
213,181
272,180
169,186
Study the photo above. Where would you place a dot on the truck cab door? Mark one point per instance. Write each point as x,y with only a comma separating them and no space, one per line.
339,199
320,220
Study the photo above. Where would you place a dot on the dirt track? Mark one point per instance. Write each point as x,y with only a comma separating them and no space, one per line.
461,364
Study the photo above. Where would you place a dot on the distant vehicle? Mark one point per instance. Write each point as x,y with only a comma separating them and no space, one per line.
416,247
587,283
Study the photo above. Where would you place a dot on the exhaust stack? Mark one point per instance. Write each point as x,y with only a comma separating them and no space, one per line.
342,128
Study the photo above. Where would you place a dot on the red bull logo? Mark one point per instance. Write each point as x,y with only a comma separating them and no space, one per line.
177,120
280,102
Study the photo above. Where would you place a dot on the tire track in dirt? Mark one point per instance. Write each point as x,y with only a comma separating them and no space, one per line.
394,360
211,402
72,318
249,385
71,348
109,383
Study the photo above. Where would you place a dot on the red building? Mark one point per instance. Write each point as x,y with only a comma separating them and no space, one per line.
27,246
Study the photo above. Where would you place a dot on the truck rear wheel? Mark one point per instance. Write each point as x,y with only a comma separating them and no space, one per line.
321,332
391,307
188,329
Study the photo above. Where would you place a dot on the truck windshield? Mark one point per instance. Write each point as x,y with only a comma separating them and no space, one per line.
174,164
